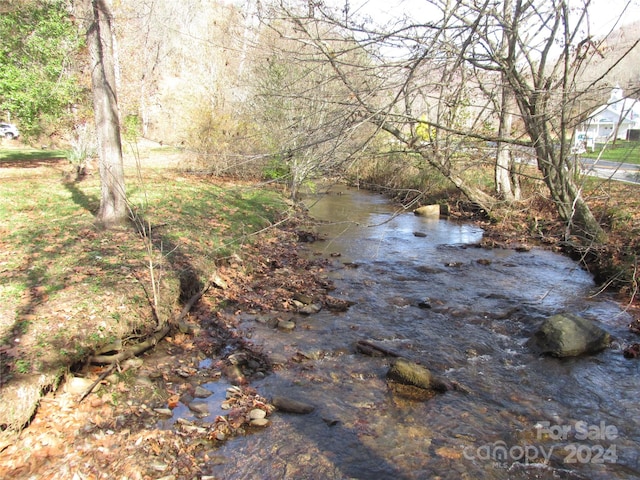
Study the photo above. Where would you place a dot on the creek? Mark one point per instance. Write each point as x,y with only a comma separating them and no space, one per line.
466,313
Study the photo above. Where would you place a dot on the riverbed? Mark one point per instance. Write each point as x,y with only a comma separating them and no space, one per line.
423,287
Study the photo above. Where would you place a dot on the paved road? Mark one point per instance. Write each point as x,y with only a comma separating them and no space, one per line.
623,172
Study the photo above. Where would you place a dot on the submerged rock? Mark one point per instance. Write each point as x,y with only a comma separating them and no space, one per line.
286,325
569,335
409,373
167,412
201,392
199,407
309,309
337,304
632,351
259,422
290,405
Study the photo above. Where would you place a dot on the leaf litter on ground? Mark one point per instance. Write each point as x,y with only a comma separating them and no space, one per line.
70,289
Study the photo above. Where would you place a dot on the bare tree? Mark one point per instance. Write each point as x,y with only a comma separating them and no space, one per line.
540,65
303,110
113,201
507,184
435,85
409,83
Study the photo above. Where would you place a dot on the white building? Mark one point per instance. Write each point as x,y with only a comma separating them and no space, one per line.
614,119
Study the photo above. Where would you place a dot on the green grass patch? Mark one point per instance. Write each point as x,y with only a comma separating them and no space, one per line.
28,154
622,151
205,220
69,287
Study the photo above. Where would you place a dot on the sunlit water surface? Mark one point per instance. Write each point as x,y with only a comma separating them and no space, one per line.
485,304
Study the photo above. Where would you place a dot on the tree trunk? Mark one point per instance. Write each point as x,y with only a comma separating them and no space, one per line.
546,117
113,202
572,208
504,159
503,171
475,195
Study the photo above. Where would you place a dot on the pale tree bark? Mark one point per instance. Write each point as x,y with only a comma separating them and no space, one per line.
507,184
113,201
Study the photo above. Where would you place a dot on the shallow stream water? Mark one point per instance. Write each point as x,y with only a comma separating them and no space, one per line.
465,313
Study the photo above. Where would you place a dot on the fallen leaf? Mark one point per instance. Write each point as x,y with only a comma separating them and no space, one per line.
173,400
448,452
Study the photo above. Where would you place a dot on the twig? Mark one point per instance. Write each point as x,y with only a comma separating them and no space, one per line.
102,376
369,348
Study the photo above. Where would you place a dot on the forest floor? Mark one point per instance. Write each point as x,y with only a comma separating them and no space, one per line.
70,291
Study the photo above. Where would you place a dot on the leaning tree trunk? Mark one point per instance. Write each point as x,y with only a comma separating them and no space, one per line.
484,202
572,208
113,202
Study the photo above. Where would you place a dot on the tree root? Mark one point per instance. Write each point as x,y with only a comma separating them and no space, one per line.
132,351
102,376
141,347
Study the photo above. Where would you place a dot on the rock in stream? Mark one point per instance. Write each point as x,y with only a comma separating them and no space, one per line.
569,335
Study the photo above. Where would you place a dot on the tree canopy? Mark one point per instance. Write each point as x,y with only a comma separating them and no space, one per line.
37,83
477,74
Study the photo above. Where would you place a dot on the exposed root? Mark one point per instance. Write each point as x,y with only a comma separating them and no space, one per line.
137,349
133,350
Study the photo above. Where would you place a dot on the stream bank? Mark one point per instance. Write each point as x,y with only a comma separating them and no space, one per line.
143,420
359,429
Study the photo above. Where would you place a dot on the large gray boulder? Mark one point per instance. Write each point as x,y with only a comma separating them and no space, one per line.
569,335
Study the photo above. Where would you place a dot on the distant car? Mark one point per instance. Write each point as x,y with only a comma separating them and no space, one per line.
8,130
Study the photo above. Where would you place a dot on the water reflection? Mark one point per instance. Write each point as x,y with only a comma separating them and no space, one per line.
484,304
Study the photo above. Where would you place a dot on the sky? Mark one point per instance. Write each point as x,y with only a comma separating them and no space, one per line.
604,13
